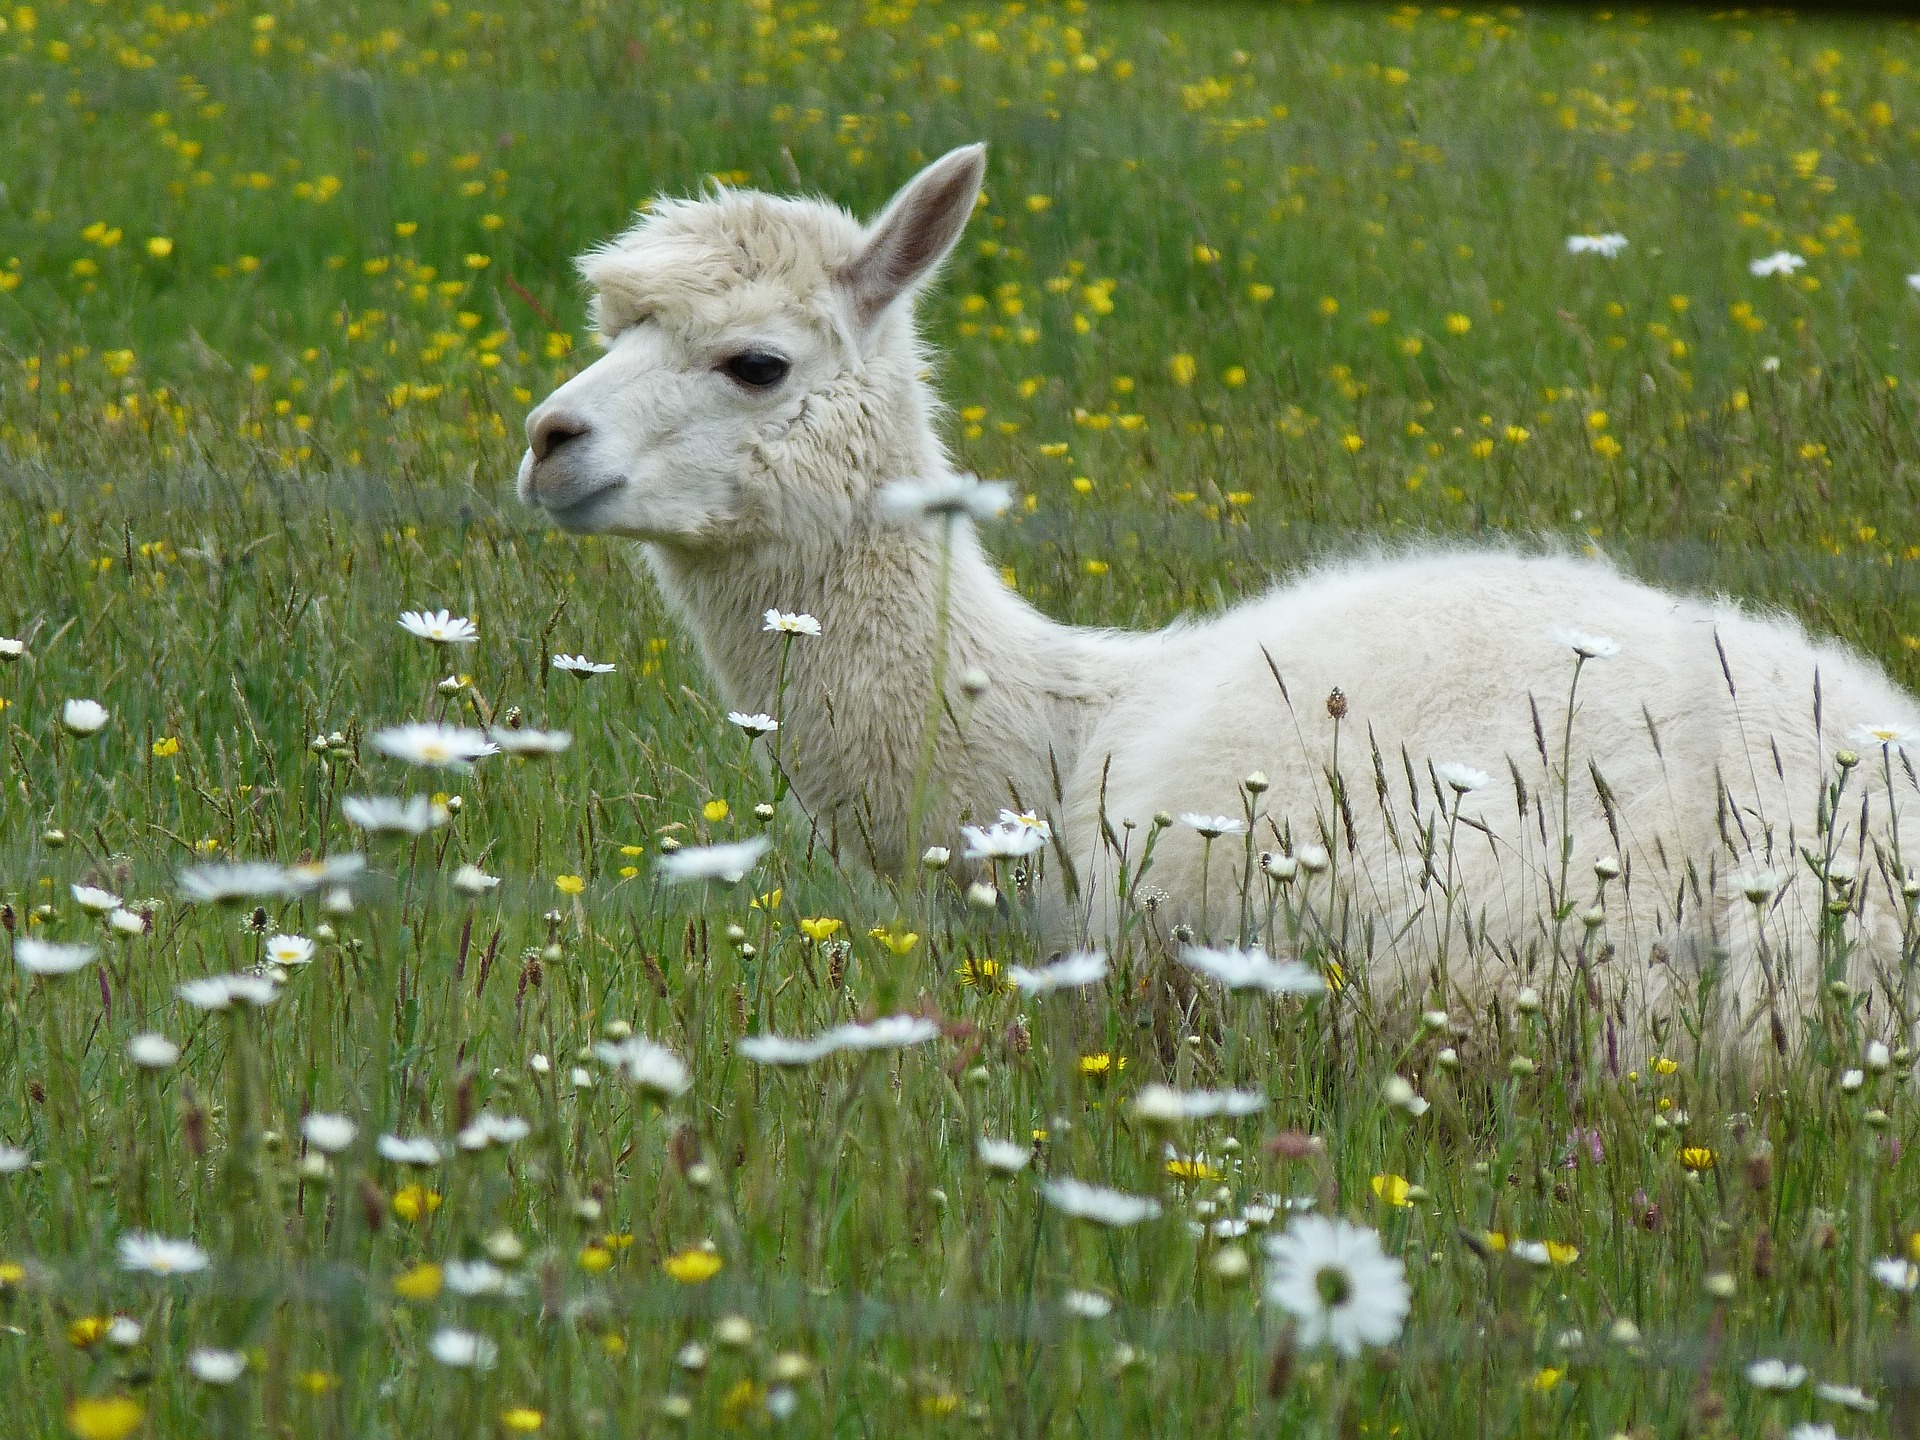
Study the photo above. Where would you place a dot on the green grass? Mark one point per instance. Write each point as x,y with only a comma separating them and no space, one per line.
229,466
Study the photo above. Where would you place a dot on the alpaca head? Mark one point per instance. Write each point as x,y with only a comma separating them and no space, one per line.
761,375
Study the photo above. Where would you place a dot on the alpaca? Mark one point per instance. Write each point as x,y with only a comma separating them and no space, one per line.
763,382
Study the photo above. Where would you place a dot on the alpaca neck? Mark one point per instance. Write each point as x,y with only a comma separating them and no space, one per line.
855,702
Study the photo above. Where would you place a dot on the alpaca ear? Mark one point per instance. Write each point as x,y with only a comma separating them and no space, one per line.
916,230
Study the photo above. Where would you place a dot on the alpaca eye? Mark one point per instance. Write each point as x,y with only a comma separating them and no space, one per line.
757,368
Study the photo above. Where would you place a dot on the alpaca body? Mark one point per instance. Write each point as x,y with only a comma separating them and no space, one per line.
763,386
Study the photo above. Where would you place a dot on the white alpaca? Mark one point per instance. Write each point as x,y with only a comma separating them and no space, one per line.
763,381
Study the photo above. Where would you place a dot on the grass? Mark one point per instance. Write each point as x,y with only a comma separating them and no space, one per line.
276,291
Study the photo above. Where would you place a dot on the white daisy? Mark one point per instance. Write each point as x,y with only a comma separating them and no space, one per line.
1813,1430
487,1128
531,742
127,922
579,665
474,1277
946,495
305,876
1086,1304
1002,841
755,725
1462,778
11,649
1851,1397
408,1150
442,627
1212,827
289,950
1900,1276
433,744
157,1255
472,880
783,622
1893,736
462,1349
84,717
216,1367
125,1332
646,1065
1605,246
152,1052
1776,1375
329,1134
1006,1157
234,880
1587,647
92,898
223,992
729,862
1340,1287
1163,1103
383,816
13,1159
1781,262
893,1033
51,957
1250,969
1072,972
1099,1204
1758,885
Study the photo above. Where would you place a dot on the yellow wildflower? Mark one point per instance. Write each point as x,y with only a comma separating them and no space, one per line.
1181,1169
898,941
692,1267
569,884
411,1202
819,927
1393,1189
1183,368
166,747
1545,1379
104,1417
87,1330
522,1418
1696,1158
714,810
595,1259
422,1282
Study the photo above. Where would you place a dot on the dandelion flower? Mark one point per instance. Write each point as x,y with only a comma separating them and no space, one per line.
1114,1208
433,745
51,957
408,1150
646,1066
583,667
1775,1375
714,862
216,1367
1004,1157
329,1134
1083,968
1250,969
950,496
1212,827
1605,246
289,951
1780,262
152,1052
782,622
1340,1287
383,816
84,717
1587,647
462,1349
157,1255
441,627
754,725
223,992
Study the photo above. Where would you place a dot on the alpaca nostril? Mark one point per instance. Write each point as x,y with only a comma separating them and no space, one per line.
552,431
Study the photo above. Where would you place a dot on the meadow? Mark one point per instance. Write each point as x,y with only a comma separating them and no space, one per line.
1251,285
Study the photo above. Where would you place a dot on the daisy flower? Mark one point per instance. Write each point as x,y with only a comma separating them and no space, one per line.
408,1150
152,1052
1005,1157
1462,778
216,1367
1893,736
1899,1276
1212,827
487,1128
13,1159
755,725
1587,647
1114,1208
474,1277
462,1349
1850,1397
431,744
472,880
383,816
1002,841
530,742
646,1066
1086,1304
579,665
442,627
714,862
329,1134
1781,262
1605,246
1340,1287
127,922
1157,1102
782,622
1085,967
157,1255
51,957
223,992
289,950
84,717
1250,969
894,1033
93,899
1775,1375
946,495
11,649
234,880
